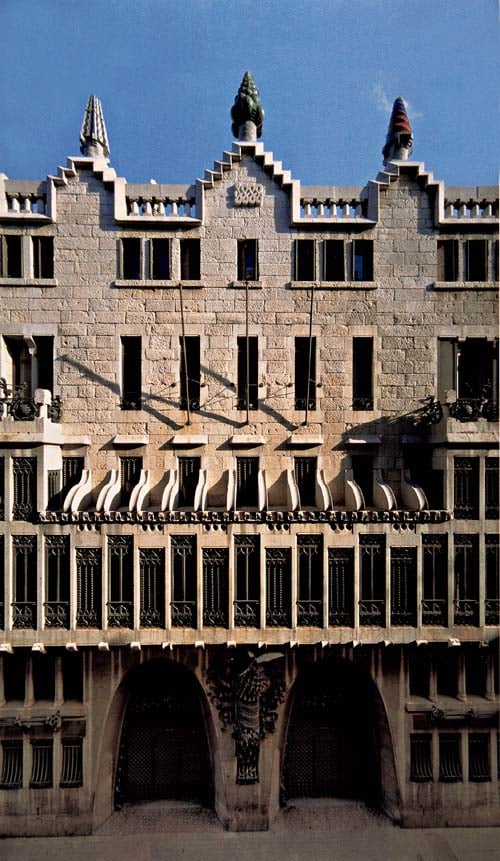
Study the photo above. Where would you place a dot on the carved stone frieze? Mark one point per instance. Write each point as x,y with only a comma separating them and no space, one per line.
248,194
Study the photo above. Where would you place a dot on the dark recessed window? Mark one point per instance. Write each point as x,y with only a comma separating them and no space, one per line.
160,259
305,373
247,482
41,763
479,757
44,676
305,260
131,372
190,372
190,259
419,668
333,260
248,268
476,259
362,260
362,467
189,473
130,473
248,367
72,763
14,673
421,758
72,674
305,469
43,257
11,257
447,265
131,259
450,758
362,373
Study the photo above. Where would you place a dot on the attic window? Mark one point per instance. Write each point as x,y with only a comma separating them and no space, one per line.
333,260
476,267
11,256
447,260
43,257
248,269
362,260
160,259
190,259
305,260
131,259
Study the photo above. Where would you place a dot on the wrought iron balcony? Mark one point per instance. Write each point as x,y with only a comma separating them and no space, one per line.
216,618
372,612
277,618
246,614
56,614
404,617
467,612
120,614
183,614
340,617
362,403
20,406
151,617
88,619
310,613
24,614
131,401
435,611
492,611
471,409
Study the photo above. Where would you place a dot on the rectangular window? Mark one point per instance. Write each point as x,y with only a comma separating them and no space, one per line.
491,488
72,675
19,376
183,604
159,261
121,581
11,257
152,587
362,468
421,758
43,671
435,580
43,256
72,763
404,586
57,581
12,765
305,469
341,587
131,259
333,260
25,581
190,371
247,567
131,372
189,474
419,671
24,474
466,601
2,582
477,372
190,259
130,473
305,260
476,259
362,252
248,262
447,262
41,764
45,361
247,482
278,587
305,373
492,608
479,757
14,675
476,671
248,370
450,758
72,468
495,260
466,488
2,488
215,587
446,662
362,373
88,587
310,580
372,603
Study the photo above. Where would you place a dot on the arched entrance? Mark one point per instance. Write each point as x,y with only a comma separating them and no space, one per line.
163,747
330,745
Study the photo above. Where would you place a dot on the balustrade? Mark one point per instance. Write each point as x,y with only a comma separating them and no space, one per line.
161,207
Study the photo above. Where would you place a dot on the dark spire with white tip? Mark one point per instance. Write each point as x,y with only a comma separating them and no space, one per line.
399,140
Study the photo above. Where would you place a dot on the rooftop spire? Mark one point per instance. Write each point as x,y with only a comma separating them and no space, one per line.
247,112
93,135
399,140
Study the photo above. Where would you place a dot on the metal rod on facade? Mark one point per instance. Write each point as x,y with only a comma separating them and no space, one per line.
184,354
247,357
309,359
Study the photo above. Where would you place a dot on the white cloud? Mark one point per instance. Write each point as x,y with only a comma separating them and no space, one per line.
384,103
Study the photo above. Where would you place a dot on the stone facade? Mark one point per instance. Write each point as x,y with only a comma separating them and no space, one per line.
326,558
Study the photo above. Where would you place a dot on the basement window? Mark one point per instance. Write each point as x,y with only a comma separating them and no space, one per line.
305,260
190,372
248,268
305,373
190,259
421,758
362,373
11,256
72,763
248,366
333,260
447,263
12,766
362,260
476,260
41,768
43,256
479,757
160,259
131,259
450,760
131,383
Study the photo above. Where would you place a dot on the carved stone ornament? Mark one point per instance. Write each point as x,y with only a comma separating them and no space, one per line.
27,722
246,691
248,194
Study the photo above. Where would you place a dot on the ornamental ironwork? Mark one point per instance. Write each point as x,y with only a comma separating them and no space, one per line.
183,608
152,587
404,586
278,587
24,474
435,580
247,565
341,586
466,483
121,585
25,581
246,690
88,587
215,586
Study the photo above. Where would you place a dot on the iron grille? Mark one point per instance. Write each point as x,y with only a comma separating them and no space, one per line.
372,602
12,766
466,579
54,489
492,602
404,586
130,471
310,586
2,488
72,763
247,477
25,576
466,478
450,760
88,587
121,582
57,584
183,604
152,587
278,587
305,476
72,468
41,766
247,564
435,585
189,473
341,587
491,488
24,470
421,758
215,586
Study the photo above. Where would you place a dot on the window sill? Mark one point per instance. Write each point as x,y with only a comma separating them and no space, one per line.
151,283
241,285
28,282
333,285
465,285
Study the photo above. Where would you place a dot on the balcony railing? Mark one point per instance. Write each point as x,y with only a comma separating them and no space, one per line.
404,617
215,618
120,614
151,617
276,618
471,409
310,613
17,404
466,611
341,617
246,614
24,614
88,619
492,611
372,612
56,614
183,614
435,611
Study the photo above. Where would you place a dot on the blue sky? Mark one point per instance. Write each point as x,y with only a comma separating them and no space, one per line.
167,72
